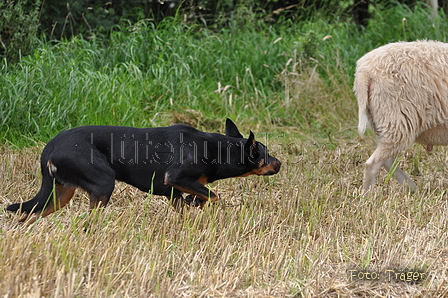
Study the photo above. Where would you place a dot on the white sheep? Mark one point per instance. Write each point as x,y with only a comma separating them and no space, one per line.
402,92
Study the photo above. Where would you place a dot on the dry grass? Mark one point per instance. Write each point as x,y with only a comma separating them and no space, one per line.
291,235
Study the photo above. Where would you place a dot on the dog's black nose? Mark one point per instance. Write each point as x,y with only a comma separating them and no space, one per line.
277,165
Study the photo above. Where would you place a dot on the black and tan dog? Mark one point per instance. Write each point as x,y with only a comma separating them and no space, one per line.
164,161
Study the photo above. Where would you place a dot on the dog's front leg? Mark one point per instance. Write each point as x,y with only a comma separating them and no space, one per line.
177,201
194,187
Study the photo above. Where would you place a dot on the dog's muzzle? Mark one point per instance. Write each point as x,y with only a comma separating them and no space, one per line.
275,166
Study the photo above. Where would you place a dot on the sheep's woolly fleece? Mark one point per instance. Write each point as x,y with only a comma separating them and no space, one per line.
402,92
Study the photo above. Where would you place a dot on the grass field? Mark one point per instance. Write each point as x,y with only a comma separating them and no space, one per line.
305,232
296,234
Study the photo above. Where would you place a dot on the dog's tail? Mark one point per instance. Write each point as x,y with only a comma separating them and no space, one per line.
42,198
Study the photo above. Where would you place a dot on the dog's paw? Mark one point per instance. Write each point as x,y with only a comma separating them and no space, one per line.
194,201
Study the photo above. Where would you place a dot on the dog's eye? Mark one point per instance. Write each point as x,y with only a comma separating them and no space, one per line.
254,153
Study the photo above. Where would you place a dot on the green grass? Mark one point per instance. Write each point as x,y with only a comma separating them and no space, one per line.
284,74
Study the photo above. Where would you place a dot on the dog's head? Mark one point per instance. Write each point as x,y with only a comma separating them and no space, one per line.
256,155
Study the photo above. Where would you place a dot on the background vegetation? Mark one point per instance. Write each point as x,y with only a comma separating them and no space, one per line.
291,235
146,73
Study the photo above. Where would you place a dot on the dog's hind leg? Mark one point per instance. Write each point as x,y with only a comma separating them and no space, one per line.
97,201
92,173
63,195
101,189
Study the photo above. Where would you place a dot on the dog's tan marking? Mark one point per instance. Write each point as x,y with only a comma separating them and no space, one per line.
203,180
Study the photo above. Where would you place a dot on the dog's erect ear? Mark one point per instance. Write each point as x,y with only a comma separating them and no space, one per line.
232,130
251,147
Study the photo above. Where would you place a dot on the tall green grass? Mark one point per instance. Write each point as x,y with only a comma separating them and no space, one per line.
287,75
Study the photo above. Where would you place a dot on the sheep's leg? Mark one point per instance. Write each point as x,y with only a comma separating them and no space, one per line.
372,167
399,175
